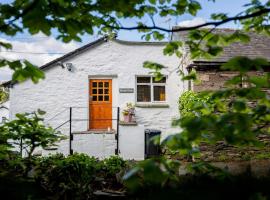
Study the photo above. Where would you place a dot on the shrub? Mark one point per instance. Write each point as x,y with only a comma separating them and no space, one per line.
29,131
114,165
190,103
67,178
78,176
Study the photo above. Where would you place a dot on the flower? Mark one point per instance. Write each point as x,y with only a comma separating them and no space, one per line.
129,110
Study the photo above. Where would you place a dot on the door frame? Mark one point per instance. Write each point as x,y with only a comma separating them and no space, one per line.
97,77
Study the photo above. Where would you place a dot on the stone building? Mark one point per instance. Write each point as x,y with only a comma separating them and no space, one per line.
210,74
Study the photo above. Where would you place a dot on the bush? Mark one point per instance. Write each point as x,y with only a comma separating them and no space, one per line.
78,176
29,131
190,102
114,165
68,178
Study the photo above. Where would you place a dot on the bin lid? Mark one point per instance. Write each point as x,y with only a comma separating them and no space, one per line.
149,131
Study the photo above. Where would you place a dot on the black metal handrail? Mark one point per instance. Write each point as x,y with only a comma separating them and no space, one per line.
71,120
61,125
56,115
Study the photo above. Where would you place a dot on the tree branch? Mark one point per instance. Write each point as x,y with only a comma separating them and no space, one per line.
24,12
179,29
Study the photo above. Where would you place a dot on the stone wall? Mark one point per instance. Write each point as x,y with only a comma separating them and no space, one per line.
215,79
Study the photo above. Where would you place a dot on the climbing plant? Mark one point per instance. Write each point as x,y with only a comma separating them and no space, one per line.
4,95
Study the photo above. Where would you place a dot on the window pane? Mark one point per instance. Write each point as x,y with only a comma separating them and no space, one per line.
159,93
143,93
100,98
100,91
94,98
94,91
106,98
143,79
100,84
106,84
106,91
94,84
163,80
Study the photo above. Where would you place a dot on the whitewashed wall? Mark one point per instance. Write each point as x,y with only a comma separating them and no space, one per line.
131,142
120,60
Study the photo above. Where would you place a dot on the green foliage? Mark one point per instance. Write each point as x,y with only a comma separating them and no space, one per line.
23,70
190,102
156,69
69,177
209,43
173,48
236,115
70,20
244,64
59,177
262,156
77,176
4,95
29,131
155,173
113,165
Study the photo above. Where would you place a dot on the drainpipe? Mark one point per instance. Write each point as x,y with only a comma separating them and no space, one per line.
189,68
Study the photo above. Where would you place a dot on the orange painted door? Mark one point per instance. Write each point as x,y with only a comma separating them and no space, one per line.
100,105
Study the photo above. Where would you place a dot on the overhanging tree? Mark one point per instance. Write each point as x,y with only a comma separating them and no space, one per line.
231,107
72,19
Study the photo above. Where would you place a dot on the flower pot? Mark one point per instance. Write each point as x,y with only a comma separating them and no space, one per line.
127,118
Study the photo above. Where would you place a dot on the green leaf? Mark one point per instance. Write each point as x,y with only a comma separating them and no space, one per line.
172,48
244,64
239,105
5,45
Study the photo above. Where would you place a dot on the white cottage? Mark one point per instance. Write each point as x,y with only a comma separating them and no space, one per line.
92,85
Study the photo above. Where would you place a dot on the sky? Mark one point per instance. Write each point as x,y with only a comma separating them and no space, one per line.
40,49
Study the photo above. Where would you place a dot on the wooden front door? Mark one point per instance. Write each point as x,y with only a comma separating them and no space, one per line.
100,105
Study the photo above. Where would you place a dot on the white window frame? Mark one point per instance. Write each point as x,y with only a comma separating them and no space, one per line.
152,84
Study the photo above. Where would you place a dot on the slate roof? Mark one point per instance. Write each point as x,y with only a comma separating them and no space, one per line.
259,46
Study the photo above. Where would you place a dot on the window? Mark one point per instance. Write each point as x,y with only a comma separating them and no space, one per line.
100,90
150,90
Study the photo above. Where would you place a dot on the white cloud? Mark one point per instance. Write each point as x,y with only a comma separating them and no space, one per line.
37,44
194,22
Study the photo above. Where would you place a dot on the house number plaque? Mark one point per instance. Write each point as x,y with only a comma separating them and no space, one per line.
126,90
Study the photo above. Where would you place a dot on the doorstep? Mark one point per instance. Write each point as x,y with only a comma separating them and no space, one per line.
95,132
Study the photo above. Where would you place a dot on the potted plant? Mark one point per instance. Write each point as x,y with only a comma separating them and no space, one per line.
128,112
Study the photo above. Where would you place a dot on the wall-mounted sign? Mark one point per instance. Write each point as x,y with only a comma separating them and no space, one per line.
126,90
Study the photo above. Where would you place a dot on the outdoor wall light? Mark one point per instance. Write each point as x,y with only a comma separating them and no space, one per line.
69,66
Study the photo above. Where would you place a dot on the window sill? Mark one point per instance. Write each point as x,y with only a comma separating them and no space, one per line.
152,105
123,123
